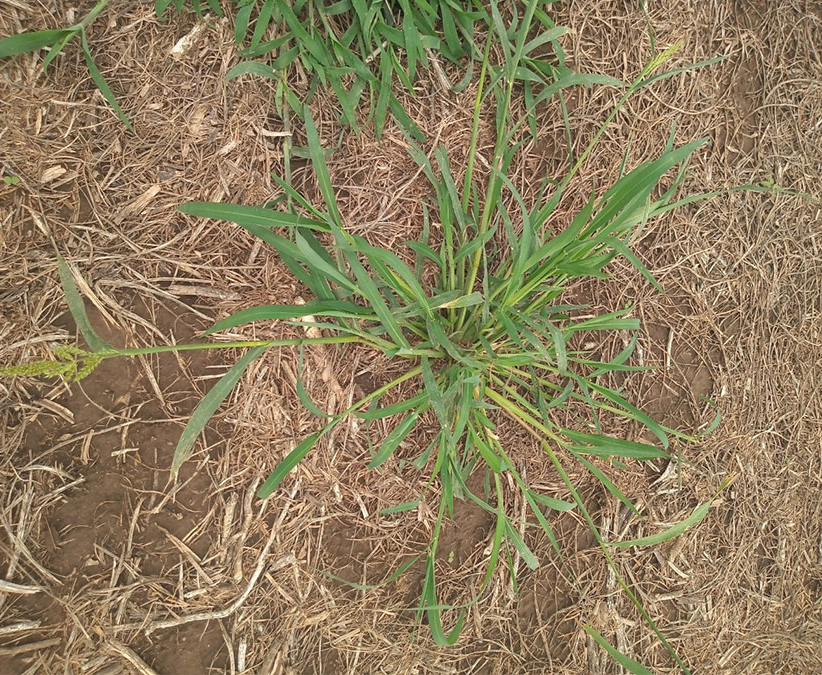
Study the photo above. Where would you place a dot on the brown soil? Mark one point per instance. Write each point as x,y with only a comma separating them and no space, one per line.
132,573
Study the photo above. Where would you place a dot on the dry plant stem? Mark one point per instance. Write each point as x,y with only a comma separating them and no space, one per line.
20,627
227,611
29,647
19,589
128,654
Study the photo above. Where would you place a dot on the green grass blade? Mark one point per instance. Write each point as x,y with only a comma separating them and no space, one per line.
679,528
215,7
302,393
407,125
399,275
439,338
470,300
629,664
284,58
302,201
263,19
366,286
413,46
618,360
544,37
252,68
322,264
496,543
78,309
100,81
502,33
530,497
449,29
401,508
571,79
30,42
422,252
632,190
563,395
652,425
433,613
629,255
607,482
208,406
313,45
337,308
348,98
472,245
715,422
417,401
611,321
249,215
285,467
57,47
321,168
516,541
160,7
434,394
606,446
384,96
551,502
241,21
288,250
677,71
551,249
393,440
493,461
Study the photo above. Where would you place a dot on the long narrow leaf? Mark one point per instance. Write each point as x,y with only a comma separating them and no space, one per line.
393,440
629,664
208,406
675,530
78,309
285,467
395,408
339,308
29,42
249,215
320,168
101,83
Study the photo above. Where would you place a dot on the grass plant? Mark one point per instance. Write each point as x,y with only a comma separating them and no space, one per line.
488,336
478,312
359,49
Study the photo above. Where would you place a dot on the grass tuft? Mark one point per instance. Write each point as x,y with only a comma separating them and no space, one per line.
483,327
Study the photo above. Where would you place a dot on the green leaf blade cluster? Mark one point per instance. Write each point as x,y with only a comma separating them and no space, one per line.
475,305
488,333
